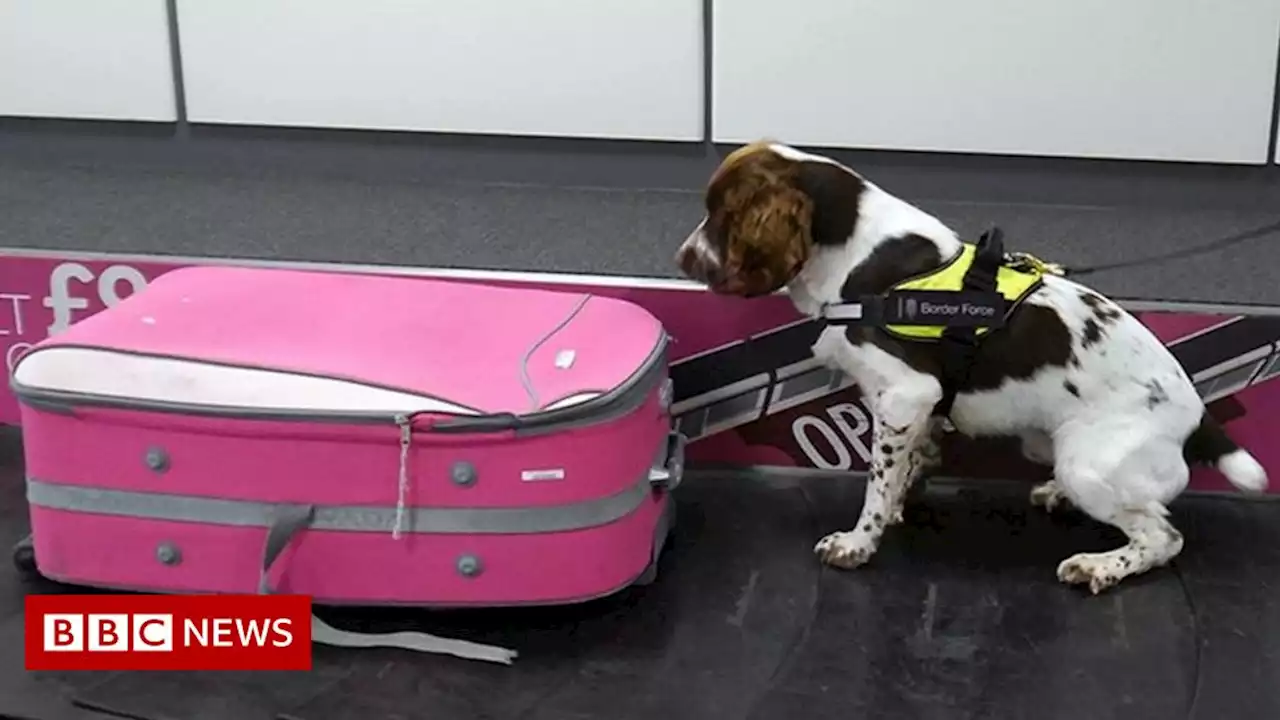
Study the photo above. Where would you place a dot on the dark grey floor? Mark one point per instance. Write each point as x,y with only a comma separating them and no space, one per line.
587,207
959,616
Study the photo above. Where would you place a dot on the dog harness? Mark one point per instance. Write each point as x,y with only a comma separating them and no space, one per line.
972,294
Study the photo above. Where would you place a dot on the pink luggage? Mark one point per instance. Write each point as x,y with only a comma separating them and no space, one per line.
360,439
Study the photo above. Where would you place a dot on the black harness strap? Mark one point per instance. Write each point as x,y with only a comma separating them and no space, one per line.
959,344
772,371
964,312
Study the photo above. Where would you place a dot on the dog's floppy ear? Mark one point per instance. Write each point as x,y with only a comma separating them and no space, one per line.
761,219
835,193
769,237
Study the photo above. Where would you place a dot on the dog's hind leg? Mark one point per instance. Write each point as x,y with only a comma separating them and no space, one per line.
901,423
1131,495
1153,542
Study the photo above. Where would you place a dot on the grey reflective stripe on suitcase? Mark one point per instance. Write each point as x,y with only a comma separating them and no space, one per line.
218,511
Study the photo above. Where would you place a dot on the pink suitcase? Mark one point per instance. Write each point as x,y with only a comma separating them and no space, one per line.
359,439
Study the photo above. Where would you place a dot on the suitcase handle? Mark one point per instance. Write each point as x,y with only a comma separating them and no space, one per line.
286,522
671,473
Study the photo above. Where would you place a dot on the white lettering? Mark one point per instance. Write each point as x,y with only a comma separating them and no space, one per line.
250,631
16,322
108,633
799,430
969,309
152,633
852,433
112,276
59,299
200,633
63,632
222,632
14,353
62,302
281,627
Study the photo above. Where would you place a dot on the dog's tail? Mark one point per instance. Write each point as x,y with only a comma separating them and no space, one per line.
1209,444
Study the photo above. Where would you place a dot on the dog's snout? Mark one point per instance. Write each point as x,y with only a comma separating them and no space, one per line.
698,266
689,262
697,261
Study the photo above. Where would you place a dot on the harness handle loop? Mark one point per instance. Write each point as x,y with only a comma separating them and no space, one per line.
960,344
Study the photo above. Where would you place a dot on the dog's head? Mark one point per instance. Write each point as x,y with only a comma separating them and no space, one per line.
767,208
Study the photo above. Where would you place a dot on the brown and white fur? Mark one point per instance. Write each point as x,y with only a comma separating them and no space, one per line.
1088,389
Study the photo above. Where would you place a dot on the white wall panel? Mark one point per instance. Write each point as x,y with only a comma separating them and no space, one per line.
1151,79
94,59
612,68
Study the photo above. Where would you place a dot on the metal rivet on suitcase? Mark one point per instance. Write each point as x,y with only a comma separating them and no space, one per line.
469,566
157,459
463,473
169,554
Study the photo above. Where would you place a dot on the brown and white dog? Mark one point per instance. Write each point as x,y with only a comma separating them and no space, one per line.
1088,389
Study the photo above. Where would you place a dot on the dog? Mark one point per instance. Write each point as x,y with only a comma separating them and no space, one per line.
1085,386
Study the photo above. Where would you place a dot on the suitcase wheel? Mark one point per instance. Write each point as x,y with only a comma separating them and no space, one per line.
24,556
663,533
649,575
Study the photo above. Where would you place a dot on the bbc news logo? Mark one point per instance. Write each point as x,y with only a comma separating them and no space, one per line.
143,632
168,632
73,632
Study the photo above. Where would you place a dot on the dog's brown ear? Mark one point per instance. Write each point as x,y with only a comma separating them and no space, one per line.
836,194
769,238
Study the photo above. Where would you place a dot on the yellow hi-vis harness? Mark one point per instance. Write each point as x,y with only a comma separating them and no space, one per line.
956,305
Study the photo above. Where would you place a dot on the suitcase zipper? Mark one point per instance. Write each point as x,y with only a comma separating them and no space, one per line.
402,482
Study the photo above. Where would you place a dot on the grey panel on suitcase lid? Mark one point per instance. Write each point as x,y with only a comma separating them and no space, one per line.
609,405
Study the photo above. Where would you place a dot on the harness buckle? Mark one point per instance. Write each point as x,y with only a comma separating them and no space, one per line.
866,310
1026,262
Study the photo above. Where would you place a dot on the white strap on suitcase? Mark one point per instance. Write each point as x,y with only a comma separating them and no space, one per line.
288,522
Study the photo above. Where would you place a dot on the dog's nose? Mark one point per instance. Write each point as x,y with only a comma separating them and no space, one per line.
696,266
685,259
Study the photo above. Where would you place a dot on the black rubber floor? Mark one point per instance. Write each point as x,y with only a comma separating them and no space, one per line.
959,616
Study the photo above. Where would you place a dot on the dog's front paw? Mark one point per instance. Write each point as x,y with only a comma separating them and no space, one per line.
1097,570
846,550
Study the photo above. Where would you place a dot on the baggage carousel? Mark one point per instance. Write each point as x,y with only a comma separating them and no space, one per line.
958,616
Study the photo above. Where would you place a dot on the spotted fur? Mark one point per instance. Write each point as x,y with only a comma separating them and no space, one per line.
1090,391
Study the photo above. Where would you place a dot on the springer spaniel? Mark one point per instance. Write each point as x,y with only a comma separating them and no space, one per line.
1087,388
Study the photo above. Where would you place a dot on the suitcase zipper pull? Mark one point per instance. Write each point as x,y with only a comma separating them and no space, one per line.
402,490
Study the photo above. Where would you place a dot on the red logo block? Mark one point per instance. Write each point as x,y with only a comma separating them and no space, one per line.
168,632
